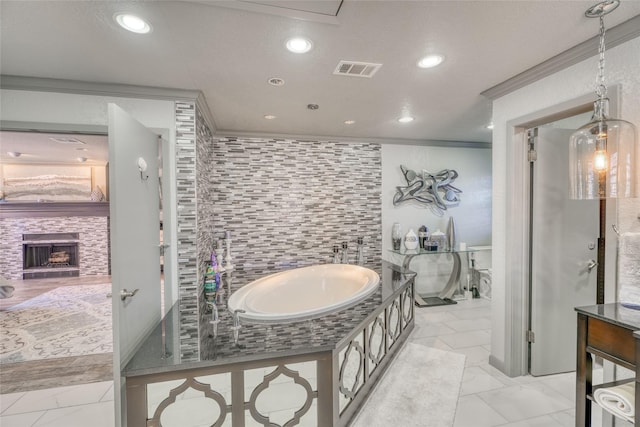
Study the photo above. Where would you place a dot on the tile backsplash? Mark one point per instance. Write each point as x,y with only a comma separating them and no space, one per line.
287,202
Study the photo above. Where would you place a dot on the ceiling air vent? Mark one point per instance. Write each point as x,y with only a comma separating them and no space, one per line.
67,140
356,69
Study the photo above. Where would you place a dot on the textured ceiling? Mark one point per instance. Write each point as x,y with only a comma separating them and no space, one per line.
229,49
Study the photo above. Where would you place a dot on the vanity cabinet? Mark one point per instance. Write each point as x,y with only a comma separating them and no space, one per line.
610,331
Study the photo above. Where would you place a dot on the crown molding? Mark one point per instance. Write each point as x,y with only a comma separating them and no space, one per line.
203,107
617,35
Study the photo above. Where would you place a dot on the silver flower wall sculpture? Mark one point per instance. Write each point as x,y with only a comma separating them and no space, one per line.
434,190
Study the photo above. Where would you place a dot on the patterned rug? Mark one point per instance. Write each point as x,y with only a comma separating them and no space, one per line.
67,321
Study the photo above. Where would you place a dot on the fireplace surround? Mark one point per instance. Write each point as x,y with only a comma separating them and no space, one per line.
89,219
46,255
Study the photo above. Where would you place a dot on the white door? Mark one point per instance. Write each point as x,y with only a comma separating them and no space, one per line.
134,223
564,240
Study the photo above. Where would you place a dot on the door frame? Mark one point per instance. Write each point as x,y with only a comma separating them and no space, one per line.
517,228
71,128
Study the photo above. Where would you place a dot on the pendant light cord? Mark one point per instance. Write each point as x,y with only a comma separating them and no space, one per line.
601,88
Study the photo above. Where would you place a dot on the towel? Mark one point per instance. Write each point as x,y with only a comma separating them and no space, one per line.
618,400
629,270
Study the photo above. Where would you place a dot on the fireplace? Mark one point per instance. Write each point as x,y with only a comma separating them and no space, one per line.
48,255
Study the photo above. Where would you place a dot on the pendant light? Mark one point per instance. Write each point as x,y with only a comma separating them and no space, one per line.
603,153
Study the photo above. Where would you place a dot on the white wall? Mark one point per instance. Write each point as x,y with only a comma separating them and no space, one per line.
472,216
622,68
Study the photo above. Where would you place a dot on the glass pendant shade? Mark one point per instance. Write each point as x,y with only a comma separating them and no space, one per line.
603,157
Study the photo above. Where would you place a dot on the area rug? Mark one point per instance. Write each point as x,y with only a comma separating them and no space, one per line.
67,321
419,389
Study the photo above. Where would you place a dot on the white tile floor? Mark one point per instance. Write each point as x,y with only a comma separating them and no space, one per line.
487,397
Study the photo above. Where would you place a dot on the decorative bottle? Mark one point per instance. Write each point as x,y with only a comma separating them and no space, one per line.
451,235
411,240
211,279
423,236
396,236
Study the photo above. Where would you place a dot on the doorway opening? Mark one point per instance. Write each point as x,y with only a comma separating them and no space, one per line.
562,248
518,216
52,252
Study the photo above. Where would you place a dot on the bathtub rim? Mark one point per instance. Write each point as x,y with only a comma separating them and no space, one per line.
236,299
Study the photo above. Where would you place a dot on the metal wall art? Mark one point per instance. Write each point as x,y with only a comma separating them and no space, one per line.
434,190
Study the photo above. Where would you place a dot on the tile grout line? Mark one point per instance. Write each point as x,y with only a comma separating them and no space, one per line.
14,402
110,388
39,418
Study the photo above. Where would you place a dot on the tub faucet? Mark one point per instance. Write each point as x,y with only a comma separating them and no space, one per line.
236,325
336,256
345,254
215,318
360,251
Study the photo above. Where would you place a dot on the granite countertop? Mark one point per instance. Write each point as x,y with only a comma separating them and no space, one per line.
261,341
613,313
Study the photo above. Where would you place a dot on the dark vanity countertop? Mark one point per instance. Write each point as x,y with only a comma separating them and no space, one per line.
613,313
260,341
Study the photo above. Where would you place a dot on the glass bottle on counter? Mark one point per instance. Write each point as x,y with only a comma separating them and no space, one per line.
396,236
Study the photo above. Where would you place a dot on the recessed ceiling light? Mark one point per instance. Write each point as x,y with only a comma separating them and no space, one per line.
490,126
14,153
430,61
405,119
299,45
269,117
276,81
133,23
82,159
349,122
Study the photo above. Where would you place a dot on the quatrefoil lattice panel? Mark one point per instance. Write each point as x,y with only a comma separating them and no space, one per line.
270,382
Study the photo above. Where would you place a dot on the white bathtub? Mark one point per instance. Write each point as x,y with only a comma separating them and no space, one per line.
303,293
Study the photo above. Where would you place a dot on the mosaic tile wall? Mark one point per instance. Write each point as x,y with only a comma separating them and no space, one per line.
186,224
93,246
287,202
205,166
